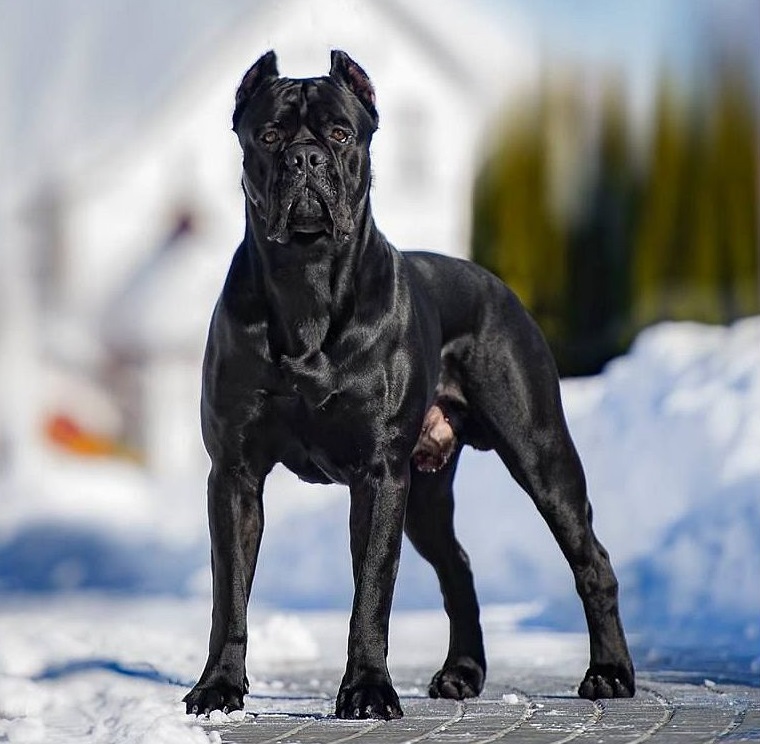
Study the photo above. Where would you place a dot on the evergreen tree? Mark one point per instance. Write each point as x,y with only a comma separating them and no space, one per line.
657,231
598,302
677,239
513,233
735,153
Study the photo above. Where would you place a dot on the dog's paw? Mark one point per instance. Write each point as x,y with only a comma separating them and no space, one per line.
464,679
368,701
607,681
202,699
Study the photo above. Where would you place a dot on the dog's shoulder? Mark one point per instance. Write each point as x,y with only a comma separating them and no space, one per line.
466,295
456,281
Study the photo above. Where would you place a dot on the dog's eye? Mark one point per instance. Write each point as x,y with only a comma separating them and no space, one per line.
270,136
340,135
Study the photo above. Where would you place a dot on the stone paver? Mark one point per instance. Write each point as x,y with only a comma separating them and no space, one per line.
538,710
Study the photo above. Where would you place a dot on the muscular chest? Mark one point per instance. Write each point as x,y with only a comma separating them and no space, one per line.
325,413
325,444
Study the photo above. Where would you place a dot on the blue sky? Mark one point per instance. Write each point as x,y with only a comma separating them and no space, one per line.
622,30
638,32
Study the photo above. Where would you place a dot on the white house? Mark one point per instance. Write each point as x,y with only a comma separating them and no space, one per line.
441,70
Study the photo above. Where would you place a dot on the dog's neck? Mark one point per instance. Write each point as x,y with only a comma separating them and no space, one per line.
309,290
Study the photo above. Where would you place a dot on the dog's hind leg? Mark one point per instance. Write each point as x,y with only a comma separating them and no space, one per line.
521,407
548,467
430,528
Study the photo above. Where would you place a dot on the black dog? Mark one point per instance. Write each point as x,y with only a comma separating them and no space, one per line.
349,362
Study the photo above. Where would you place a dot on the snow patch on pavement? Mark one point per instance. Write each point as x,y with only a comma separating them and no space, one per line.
94,669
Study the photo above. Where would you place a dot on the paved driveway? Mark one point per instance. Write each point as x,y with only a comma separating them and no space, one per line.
514,708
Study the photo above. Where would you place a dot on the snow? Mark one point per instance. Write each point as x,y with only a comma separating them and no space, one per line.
84,668
672,447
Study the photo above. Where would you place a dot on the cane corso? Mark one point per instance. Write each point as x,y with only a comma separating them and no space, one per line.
349,362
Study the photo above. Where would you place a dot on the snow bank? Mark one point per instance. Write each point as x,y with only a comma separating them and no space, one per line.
90,669
670,438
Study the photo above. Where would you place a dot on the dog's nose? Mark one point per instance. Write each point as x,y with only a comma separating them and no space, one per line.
305,157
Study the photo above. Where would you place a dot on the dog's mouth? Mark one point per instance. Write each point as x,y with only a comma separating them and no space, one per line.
307,211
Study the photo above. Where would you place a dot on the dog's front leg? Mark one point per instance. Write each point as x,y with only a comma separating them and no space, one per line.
236,522
378,502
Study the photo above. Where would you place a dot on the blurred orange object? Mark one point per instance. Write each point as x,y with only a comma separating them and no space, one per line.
65,433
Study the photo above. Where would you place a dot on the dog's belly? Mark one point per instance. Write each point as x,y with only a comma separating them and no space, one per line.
314,465
302,460
319,447
307,470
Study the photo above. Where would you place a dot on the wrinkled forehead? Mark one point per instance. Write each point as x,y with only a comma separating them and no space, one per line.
311,101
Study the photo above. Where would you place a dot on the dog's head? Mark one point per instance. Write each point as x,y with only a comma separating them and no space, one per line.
306,170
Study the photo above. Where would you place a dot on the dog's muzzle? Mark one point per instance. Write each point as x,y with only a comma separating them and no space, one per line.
307,197
309,212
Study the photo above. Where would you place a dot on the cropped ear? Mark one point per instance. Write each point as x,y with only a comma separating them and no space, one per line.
264,68
344,70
